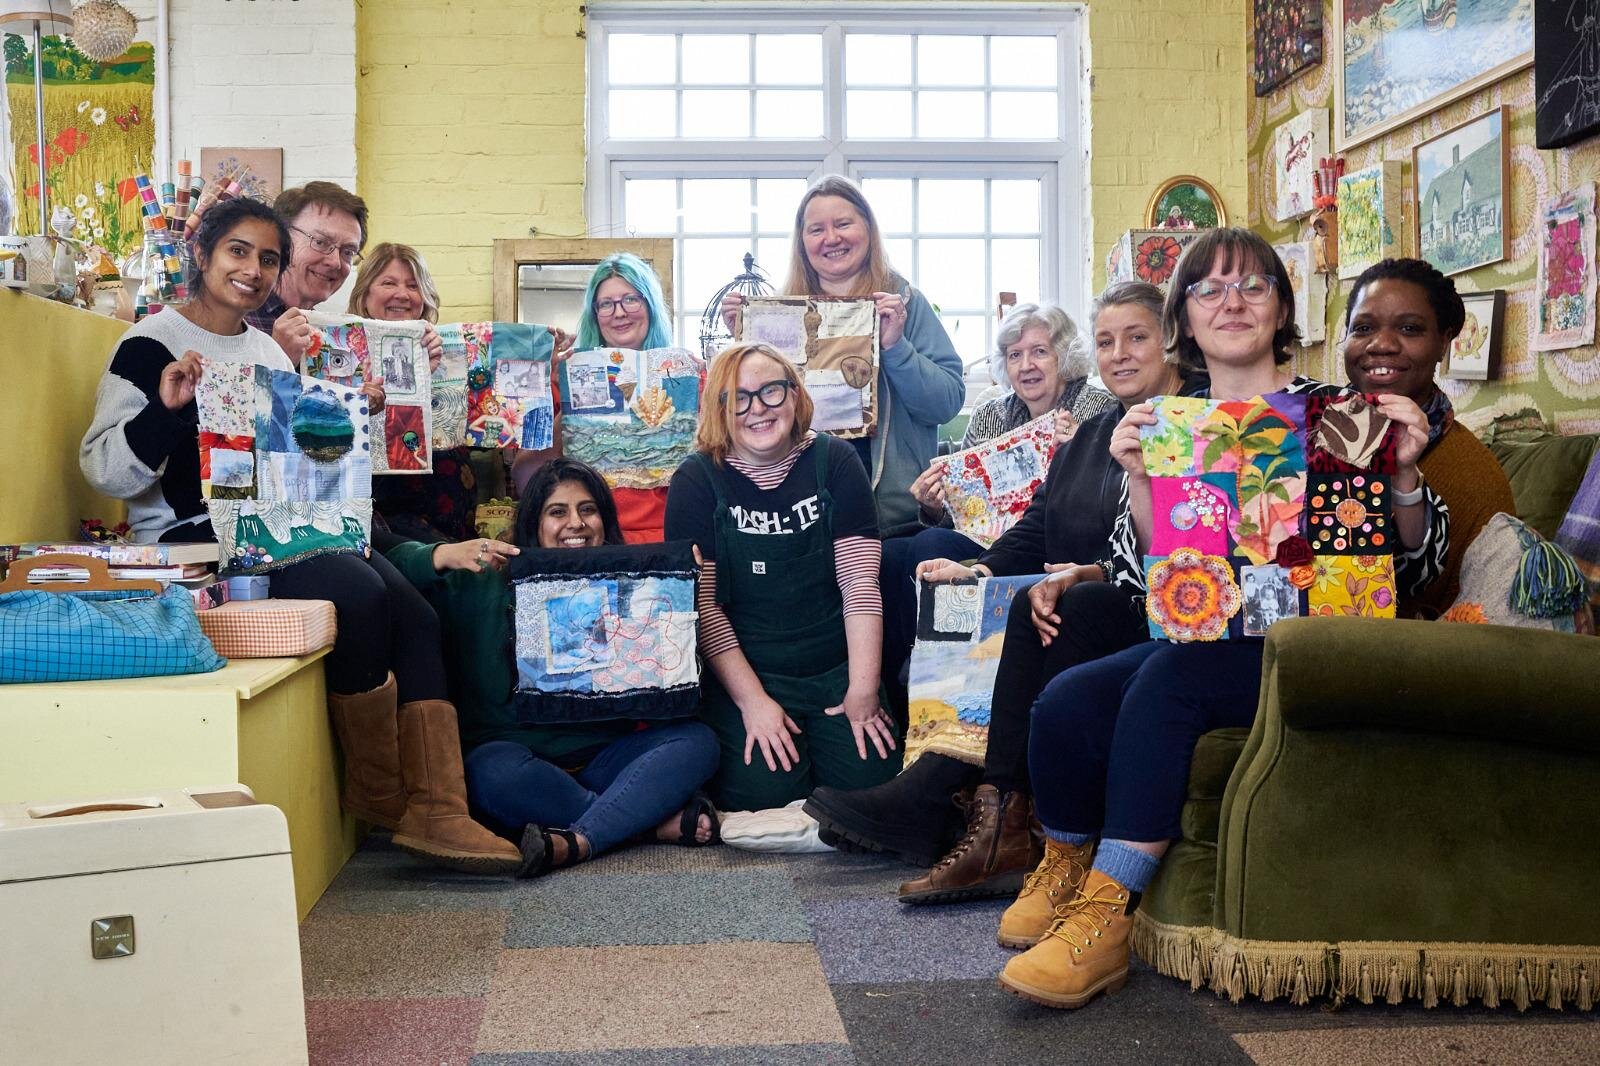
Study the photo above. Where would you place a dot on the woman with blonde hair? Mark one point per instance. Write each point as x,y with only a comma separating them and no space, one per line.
788,597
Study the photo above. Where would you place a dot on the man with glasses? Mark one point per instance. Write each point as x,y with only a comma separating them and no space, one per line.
327,229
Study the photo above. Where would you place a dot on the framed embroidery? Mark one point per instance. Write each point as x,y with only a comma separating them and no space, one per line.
834,343
1310,291
1297,144
631,414
509,403
351,351
1288,40
1564,308
987,487
1369,202
285,465
605,633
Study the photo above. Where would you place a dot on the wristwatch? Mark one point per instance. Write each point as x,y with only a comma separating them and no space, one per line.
1409,499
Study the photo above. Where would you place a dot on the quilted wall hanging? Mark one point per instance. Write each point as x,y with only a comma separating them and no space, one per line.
509,403
349,351
987,487
285,465
1267,508
834,342
631,414
465,343
603,633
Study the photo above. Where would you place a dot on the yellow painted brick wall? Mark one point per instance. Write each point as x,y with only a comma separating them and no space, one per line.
470,121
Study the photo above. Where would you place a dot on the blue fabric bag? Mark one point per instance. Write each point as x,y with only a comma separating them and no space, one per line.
99,629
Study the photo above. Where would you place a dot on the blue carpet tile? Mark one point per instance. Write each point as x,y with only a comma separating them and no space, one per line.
884,940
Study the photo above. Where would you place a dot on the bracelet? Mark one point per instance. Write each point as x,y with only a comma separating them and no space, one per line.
1408,499
1107,572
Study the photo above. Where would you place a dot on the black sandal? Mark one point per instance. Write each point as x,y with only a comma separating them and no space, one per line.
689,822
539,851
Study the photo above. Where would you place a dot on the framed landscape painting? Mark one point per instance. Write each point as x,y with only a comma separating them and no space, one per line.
1461,180
1288,40
1400,59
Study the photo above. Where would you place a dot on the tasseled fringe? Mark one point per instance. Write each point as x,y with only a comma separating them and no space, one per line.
1548,583
1557,977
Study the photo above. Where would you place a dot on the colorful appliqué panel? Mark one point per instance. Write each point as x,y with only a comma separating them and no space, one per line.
509,403
834,342
987,487
349,351
631,414
1564,311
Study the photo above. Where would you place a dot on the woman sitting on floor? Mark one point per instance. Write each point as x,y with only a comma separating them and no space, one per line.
788,595
571,791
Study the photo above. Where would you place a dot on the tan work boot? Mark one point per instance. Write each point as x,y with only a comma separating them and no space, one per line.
1084,954
1057,880
436,824
369,738
991,859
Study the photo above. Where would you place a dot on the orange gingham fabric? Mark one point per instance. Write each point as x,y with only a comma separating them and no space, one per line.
265,629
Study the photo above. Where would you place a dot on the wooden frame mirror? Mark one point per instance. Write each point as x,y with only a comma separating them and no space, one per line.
542,279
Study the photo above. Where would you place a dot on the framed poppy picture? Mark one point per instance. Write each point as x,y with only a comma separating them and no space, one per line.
1148,255
1475,353
1185,202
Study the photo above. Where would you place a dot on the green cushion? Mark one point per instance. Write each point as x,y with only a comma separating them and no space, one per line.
1544,476
1209,768
1184,888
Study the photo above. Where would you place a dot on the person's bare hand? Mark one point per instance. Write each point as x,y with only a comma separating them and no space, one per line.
767,727
928,489
475,555
434,344
943,571
867,722
178,379
1125,448
292,331
891,318
562,341
1044,595
376,397
729,309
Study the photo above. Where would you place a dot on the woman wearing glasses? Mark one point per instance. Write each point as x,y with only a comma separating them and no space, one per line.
1112,739
788,595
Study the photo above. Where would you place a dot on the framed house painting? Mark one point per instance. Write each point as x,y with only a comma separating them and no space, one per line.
1288,40
1400,59
1566,51
1461,179
1475,353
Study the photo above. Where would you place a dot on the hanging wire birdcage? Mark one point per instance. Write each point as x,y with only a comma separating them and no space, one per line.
714,335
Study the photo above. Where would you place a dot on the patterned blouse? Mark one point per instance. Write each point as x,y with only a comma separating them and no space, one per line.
1005,413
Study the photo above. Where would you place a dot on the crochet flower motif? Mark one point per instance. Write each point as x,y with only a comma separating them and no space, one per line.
1564,262
1192,595
1466,612
1156,259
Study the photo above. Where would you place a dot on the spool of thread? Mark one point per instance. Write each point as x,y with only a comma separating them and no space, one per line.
169,194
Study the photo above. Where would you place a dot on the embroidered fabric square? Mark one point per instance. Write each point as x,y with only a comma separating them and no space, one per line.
960,630
1192,596
631,414
1348,434
989,486
465,344
1358,585
349,350
1349,514
509,403
1169,445
1195,511
834,342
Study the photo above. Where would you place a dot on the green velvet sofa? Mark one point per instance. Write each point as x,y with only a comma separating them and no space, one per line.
1412,815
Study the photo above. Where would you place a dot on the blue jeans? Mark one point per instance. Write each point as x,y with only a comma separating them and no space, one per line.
629,787
897,577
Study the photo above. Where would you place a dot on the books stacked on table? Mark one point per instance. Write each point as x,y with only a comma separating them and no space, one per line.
193,566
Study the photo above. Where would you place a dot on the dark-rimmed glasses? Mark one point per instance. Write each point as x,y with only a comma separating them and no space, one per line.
773,394
629,303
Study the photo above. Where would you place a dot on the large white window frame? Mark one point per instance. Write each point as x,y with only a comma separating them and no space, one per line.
1060,163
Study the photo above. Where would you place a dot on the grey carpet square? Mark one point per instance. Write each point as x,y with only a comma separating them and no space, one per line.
765,1054
382,879
670,858
883,940
849,876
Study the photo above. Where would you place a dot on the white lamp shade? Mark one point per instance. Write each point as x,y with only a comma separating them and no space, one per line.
18,16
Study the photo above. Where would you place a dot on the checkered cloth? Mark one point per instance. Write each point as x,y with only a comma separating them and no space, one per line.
88,636
1580,530
267,629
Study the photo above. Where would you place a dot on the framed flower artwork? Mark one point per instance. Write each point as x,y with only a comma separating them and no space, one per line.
1475,353
1564,313
1148,255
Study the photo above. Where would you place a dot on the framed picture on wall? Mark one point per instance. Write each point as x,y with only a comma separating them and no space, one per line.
1475,353
259,170
1401,59
1461,178
1185,202
1288,40
1566,40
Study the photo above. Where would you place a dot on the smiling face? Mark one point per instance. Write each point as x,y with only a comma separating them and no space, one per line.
762,434
242,266
1394,343
314,276
1127,351
1033,369
570,518
395,295
836,242
621,327
1236,334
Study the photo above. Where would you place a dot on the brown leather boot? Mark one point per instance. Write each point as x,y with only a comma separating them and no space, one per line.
1057,880
436,825
369,738
991,859
1085,952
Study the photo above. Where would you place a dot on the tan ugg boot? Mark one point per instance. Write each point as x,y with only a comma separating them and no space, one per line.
436,824
1084,954
369,738
1056,881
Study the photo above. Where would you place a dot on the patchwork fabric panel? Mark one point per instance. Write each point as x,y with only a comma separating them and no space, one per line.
465,344
1192,596
604,633
631,414
987,487
834,342
1191,511
298,482
509,403
1358,585
349,351
1349,514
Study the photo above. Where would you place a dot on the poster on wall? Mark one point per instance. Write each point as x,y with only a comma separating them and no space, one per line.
1564,314
1297,144
1462,177
1288,40
1401,59
1566,82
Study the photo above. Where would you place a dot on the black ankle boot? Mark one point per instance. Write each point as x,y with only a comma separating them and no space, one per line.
911,816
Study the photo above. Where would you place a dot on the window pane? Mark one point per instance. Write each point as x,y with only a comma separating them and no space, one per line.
1014,206
967,333
902,254
874,113
950,272
772,256
776,199
643,113
788,59
945,60
716,205
891,202
877,59
1023,115
950,114
650,206
1022,61
950,206
1015,268
708,265
641,59
716,113
716,59
788,113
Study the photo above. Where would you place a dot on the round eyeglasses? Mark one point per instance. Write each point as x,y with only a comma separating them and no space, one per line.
1253,289
772,394
629,303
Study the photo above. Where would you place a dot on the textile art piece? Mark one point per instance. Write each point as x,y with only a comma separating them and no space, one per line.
350,351
1297,144
987,487
1564,313
465,343
508,387
1288,38
835,345
1369,216
1254,501
631,414
960,630
603,633
1148,255
285,465
1566,44
1310,291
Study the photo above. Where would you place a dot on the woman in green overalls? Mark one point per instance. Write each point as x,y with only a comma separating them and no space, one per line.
790,612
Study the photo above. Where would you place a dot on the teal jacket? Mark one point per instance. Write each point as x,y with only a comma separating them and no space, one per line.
920,388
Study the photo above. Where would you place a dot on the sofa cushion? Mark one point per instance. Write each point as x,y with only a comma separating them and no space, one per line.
1544,475
1209,769
1580,530
1490,571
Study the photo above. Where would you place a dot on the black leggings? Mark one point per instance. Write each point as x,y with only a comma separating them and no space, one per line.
384,624
1096,619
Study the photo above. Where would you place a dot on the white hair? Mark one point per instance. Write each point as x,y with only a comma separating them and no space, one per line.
1072,355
